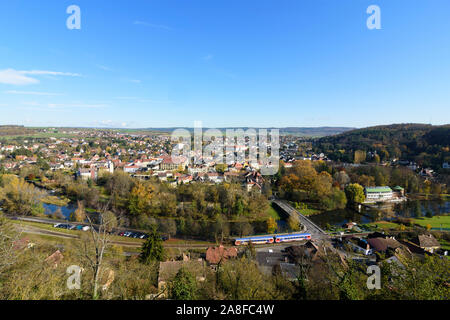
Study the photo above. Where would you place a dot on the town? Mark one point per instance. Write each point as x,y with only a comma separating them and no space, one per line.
206,215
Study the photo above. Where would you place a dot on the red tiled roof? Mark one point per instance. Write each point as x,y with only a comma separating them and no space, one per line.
215,254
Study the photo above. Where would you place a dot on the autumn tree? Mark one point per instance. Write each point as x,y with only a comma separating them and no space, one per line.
20,197
140,198
355,193
271,225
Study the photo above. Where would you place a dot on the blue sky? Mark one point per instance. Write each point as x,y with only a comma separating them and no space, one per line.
226,63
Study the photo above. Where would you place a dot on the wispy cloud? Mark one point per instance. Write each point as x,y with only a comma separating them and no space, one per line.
77,105
208,57
71,105
16,77
35,93
152,25
111,124
50,73
103,67
142,100
134,80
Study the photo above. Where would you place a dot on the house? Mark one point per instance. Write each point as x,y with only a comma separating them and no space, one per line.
215,255
162,176
173,163
229,176
399,192
428,243
375,194
383,244
290,271
350,225
169,269
131,168
87,173
214,177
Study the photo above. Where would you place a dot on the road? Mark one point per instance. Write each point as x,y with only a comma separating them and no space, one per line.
311,227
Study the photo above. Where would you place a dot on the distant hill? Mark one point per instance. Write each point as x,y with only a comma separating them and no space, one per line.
296,131
11,130
425,144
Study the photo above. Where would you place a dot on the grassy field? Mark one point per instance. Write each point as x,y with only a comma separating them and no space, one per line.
435,222
49,227
38,135
309,212
383,225
274,213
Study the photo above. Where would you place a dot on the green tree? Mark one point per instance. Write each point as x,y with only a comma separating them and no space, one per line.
355,193
183,286
152,249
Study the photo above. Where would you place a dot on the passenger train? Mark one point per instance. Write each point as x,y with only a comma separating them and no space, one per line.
273,239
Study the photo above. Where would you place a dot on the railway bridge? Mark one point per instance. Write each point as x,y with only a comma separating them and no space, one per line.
311,227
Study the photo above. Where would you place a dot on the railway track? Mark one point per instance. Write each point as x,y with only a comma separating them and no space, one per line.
310,226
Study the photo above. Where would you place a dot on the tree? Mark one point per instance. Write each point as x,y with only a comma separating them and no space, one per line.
294,223
221,228
20,197
241,280
8,237
342,177
183,286
271,225
140,198
355,193
168,226
152,249
79,215
360,156
94,245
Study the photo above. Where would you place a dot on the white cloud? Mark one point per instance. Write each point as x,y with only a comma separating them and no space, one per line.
36,93
11,76
19,78
147,24
76,105
50,73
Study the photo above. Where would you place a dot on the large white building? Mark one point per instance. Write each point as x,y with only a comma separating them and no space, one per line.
374,194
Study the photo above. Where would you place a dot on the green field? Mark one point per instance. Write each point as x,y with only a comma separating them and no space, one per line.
272,212
435,222
309,211
384,225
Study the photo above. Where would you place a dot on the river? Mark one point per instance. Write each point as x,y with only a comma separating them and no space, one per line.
409,209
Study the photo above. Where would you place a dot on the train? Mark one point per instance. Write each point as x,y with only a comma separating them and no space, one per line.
273,239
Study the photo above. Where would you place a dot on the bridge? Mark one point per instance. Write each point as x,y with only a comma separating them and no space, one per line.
310,226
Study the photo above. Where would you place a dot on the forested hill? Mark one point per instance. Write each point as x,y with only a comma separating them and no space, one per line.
425,144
